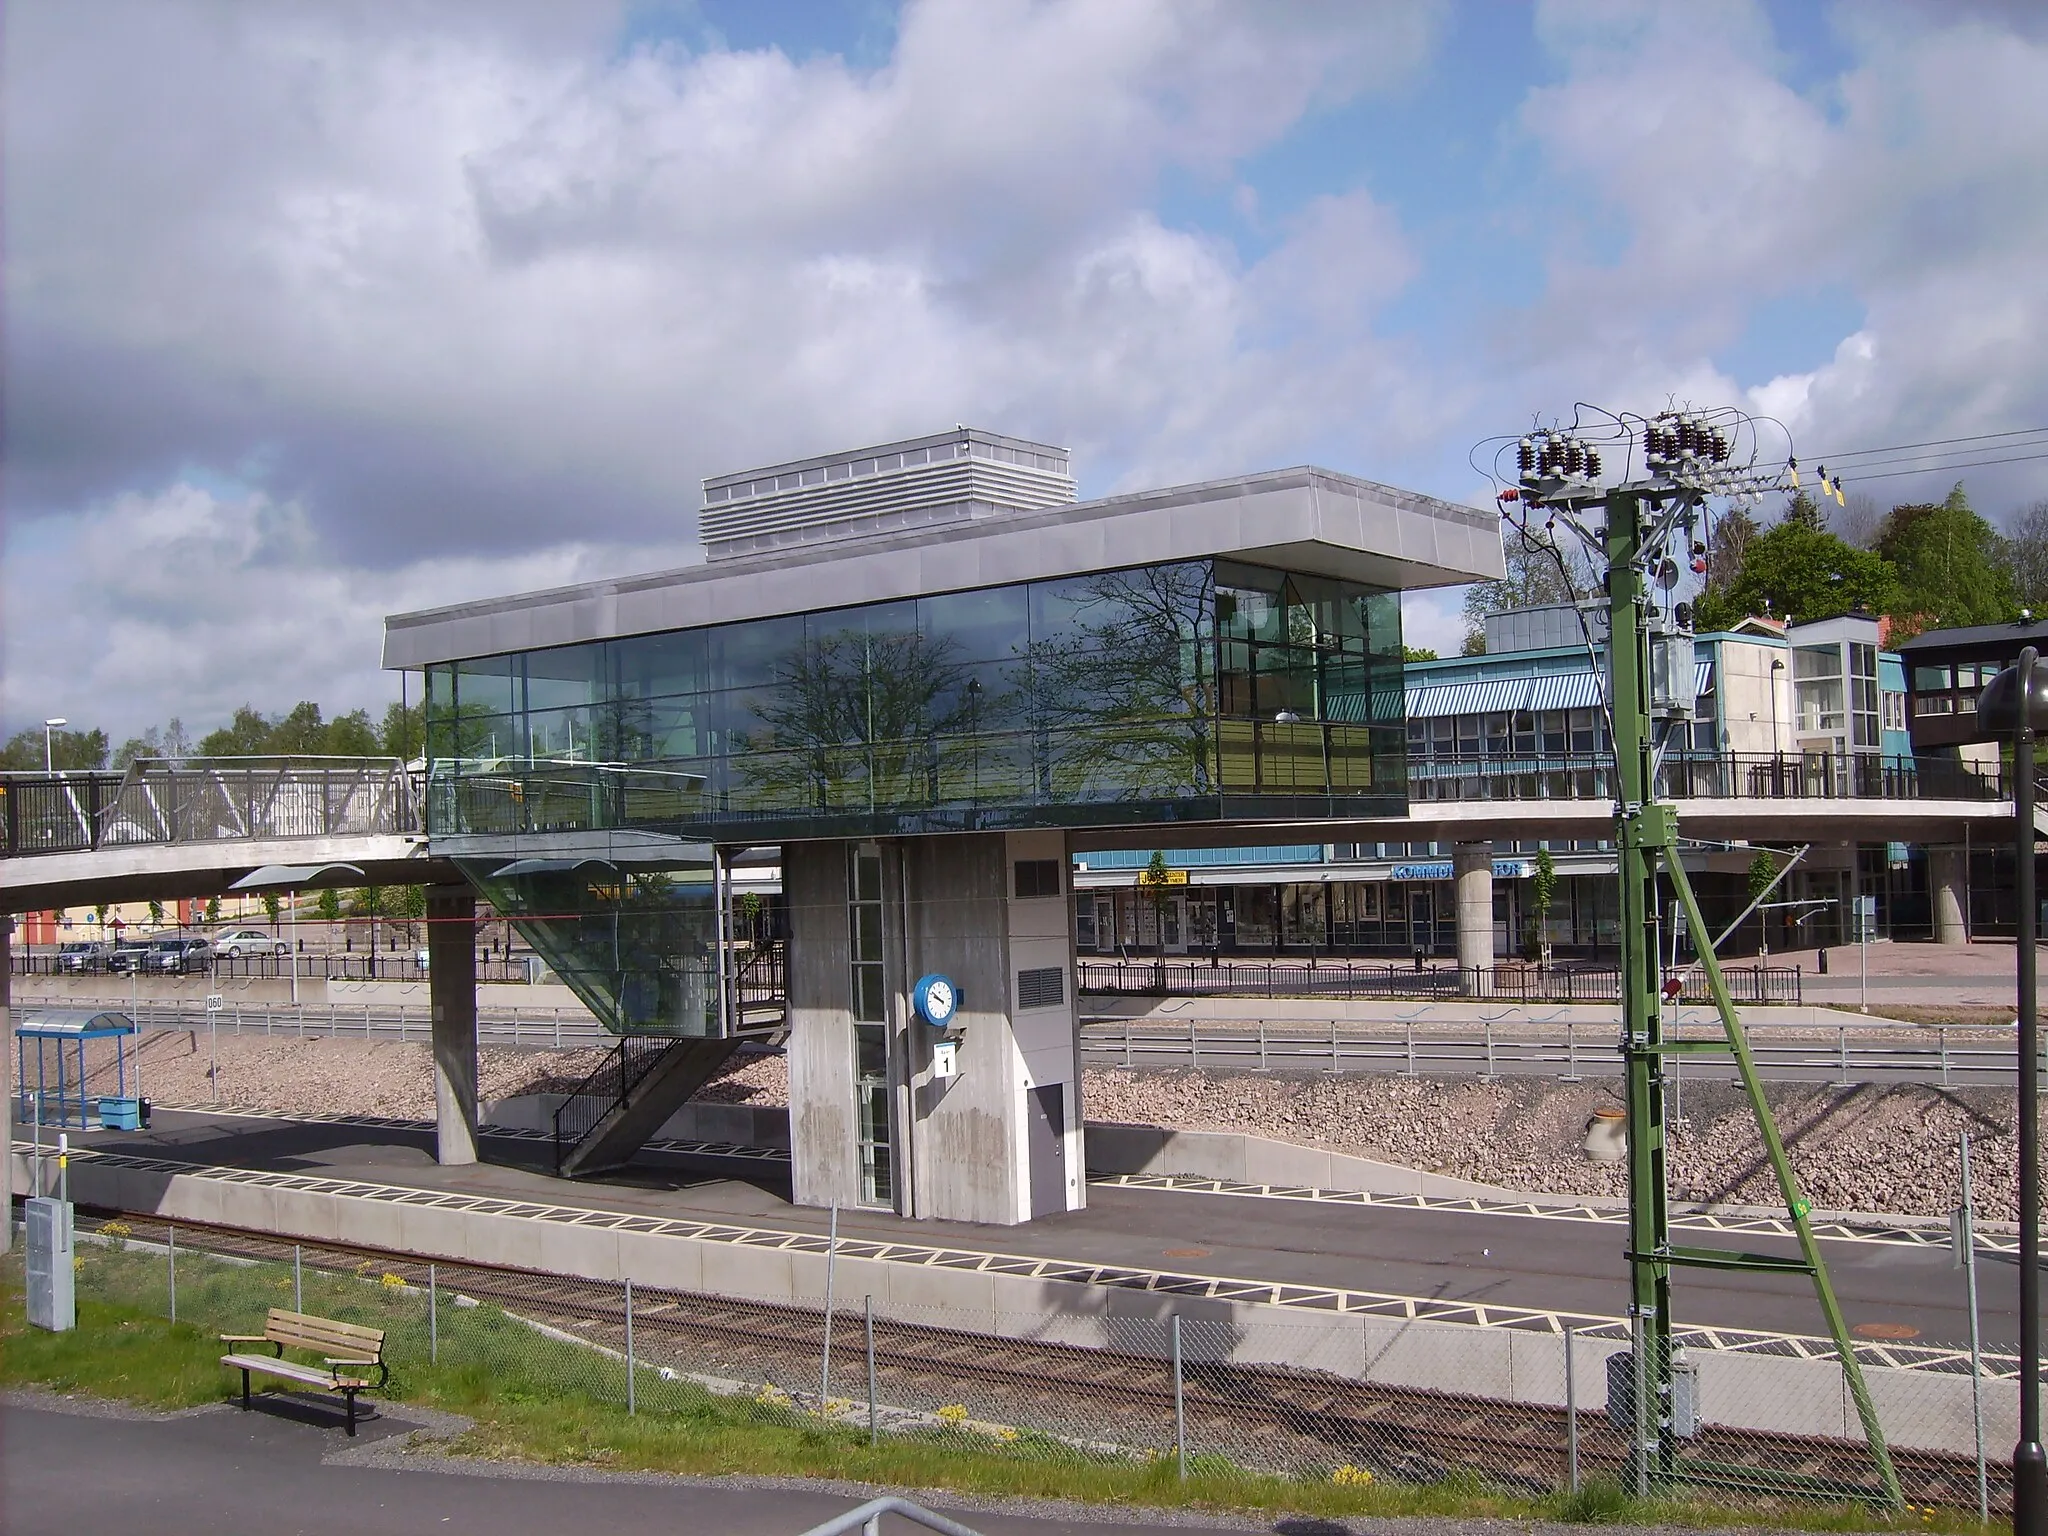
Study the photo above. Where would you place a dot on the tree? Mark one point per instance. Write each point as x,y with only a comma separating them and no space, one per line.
1542,893
247,734
1538,572
403,734
167,743
1952,567
272,905
1418,653
327,905
1796,569
1475,643
1763,869
1154,883
213,909
74,751
2026,556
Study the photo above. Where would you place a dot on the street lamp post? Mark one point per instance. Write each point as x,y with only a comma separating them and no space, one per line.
49,748
2014,700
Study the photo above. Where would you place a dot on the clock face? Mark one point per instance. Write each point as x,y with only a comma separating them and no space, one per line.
938,1000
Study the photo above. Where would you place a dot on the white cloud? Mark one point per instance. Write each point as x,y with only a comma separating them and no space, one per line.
194,600
1916,181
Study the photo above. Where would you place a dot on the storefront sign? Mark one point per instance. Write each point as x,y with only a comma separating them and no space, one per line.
1503,869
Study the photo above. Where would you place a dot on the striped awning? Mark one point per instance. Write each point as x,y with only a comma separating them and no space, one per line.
1566,690
1491,697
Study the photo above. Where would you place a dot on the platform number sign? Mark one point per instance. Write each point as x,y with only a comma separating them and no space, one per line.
215,1003
936,1000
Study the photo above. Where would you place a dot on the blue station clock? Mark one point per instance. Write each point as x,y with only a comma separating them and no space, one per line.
936,1000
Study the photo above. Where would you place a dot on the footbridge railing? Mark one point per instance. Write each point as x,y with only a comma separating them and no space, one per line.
223,800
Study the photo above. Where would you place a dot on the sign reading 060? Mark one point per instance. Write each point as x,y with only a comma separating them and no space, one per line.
936,1000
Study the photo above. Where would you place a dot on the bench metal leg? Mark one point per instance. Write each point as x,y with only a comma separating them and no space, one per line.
245,1389
351,1414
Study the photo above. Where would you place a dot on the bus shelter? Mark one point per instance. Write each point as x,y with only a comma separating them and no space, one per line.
52,1086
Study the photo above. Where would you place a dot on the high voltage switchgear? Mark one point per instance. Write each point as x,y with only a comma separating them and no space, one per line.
1637,535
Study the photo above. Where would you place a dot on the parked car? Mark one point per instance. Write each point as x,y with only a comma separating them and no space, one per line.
240,942
84,955
126,955
174,957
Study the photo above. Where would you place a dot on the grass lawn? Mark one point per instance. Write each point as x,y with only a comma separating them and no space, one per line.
538,1399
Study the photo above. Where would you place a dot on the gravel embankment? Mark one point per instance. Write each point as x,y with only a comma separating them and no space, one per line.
1856,1149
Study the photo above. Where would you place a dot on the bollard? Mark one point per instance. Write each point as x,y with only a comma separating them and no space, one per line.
433,1316
1180,1414
631,1406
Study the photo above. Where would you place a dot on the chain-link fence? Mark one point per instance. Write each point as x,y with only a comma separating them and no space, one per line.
1352,1399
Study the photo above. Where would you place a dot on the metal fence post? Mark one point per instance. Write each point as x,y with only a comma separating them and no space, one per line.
1571,1052
1127,1045
1336,1056
825,1358
1262,1045
434,1316
1842,1037
1180,1411
1571,1415
1194,1046
631,1405
874,1432
1408,1027
298,1282
171,1258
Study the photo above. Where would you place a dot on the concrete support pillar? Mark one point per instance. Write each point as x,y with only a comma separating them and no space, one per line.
451,988
1472,867
1948,893
7,1074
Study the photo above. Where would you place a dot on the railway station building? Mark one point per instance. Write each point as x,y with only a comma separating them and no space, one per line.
919,670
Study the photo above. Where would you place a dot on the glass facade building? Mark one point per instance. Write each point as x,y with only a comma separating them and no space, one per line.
1186,691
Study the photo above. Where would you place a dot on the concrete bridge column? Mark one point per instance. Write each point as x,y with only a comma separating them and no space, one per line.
451,988
7,1073
1948,893
1472,868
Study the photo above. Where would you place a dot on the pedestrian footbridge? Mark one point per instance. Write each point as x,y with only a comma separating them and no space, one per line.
156,832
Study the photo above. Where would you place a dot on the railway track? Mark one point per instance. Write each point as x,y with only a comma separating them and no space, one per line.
1258,1416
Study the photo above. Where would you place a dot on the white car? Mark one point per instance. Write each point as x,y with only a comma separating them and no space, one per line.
239,942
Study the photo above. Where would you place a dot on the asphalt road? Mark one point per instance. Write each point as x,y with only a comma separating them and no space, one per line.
268,1471
1541,1262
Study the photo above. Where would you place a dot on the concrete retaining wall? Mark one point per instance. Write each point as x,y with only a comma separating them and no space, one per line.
743,1125
1922,1409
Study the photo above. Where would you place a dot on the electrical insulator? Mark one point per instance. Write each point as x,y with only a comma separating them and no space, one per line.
1525,457
1574,457
1593,463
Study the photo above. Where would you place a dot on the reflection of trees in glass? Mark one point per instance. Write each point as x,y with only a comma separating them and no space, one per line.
1124,704
634,945
852,722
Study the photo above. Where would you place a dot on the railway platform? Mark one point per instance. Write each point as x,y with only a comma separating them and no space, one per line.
1543,1264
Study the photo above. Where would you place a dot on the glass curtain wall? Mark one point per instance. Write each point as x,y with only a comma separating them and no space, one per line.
1165,692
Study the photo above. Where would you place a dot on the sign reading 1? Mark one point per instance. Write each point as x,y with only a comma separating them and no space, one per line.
936,1000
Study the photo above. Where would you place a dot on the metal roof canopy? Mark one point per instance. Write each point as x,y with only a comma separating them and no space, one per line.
1311,521
75,1024
294,877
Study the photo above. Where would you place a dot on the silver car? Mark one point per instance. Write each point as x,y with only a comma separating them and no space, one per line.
239,942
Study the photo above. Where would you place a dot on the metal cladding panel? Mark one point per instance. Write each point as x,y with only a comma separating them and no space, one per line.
1303,519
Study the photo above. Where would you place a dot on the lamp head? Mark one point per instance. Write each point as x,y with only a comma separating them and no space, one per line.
51,725
1998,706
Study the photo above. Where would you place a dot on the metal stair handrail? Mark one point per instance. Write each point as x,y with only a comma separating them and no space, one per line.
867,1518
592,1099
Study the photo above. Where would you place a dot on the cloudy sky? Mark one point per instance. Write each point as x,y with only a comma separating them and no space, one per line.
316,312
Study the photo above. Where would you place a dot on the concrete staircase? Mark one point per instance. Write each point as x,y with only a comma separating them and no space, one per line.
620,1106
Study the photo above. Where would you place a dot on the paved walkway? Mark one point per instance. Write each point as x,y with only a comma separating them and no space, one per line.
287,1469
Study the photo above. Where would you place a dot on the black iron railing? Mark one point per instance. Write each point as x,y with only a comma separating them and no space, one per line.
1529,984
605,1089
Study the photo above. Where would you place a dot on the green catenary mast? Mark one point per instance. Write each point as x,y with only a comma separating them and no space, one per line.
1685,457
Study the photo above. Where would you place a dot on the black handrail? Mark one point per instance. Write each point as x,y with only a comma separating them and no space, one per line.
606,1088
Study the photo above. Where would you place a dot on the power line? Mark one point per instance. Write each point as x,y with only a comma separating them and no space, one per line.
1934,469
1939,442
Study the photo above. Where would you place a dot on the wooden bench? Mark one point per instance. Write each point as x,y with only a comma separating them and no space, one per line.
338,1344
